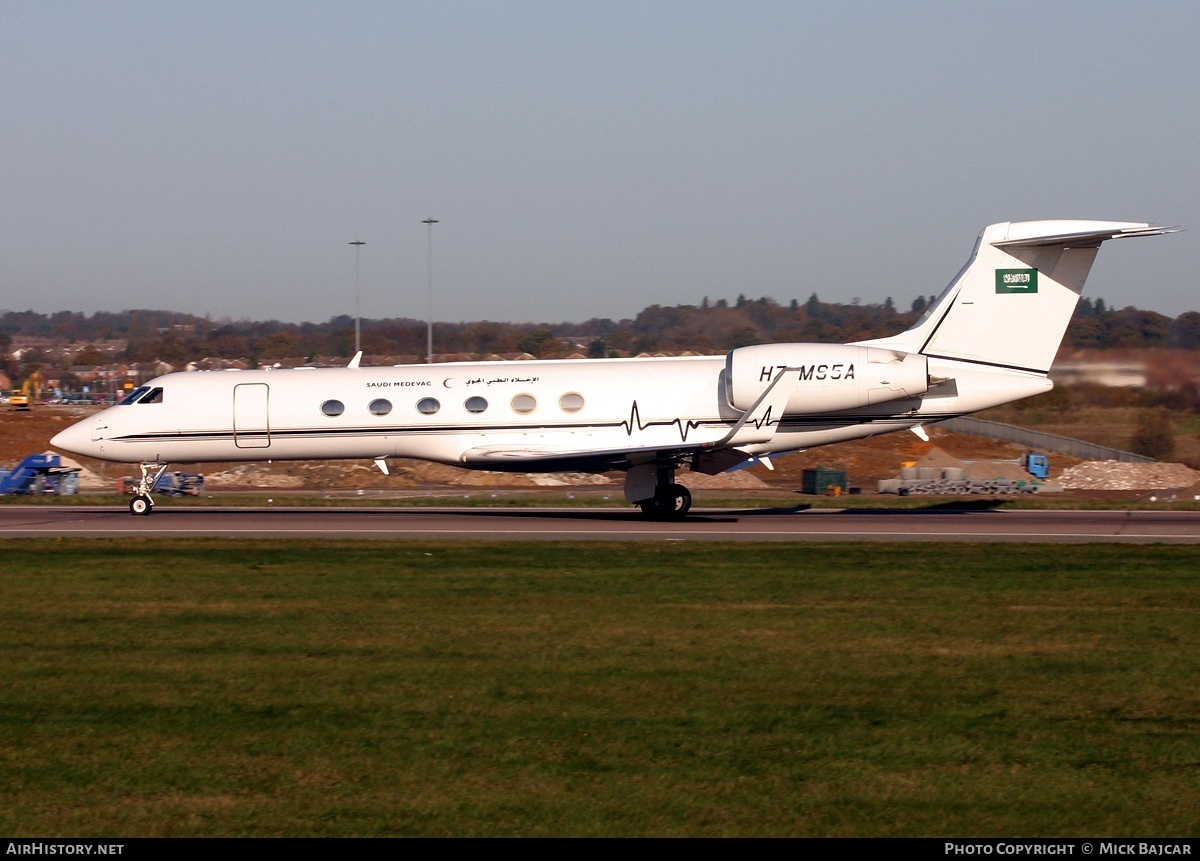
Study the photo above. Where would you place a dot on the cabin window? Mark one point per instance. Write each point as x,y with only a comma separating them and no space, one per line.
154,397
333,408
524,404
133,396
380,407
475,404
428,406
571,402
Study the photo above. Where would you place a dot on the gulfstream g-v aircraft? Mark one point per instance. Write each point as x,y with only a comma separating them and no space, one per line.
988,339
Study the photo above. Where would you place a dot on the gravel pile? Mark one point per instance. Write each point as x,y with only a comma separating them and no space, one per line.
251,475
739,479
1115,475
482,478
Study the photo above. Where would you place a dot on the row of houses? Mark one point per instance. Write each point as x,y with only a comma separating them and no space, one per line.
55,352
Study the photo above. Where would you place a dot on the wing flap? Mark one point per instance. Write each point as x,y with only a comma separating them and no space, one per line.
514,454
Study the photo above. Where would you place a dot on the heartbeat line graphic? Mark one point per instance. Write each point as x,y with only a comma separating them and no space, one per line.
635,422
765,421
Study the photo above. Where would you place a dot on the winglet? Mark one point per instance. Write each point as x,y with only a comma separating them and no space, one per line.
759,423
354,362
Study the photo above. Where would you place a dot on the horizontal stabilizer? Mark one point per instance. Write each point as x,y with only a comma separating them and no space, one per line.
1085,239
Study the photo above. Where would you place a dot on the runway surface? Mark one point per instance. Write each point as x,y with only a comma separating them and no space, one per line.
1171,527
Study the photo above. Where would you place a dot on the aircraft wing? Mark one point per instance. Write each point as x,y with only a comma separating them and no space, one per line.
705,457
502,453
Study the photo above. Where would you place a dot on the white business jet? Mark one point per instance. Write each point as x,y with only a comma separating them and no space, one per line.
988,339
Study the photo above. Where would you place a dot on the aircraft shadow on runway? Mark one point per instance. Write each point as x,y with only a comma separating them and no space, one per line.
975,506
971,506
630,515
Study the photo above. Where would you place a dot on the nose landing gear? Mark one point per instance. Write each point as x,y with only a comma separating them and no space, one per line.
142,503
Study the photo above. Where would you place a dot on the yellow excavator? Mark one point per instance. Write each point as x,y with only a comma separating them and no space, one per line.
30,392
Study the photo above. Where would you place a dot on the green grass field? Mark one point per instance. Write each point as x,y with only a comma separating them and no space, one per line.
214,687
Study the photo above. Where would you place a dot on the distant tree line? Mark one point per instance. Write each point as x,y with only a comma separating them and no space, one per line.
709,327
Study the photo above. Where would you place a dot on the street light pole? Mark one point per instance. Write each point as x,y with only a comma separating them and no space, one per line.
429,222
358,244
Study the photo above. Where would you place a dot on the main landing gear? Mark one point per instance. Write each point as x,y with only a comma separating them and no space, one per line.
142,503
652,488
668,503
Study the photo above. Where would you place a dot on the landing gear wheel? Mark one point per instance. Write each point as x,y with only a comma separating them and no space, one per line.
682,500
669,503
141,505
651,508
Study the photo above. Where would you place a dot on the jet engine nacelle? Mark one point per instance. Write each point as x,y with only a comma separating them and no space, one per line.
826,377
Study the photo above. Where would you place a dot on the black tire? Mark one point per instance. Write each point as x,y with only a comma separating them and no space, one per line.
682,500
671,505
141,506
651,508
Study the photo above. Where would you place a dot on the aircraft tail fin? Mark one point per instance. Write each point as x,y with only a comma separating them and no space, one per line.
1010,305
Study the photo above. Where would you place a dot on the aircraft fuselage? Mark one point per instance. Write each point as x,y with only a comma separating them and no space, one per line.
525,416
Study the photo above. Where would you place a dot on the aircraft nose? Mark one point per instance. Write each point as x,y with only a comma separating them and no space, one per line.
77,439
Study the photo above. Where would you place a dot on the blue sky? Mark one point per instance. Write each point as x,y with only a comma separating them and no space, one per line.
585,159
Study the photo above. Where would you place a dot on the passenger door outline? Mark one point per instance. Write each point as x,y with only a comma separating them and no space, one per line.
251,424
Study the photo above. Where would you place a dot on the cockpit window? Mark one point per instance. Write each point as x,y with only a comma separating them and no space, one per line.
132,397
155,397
